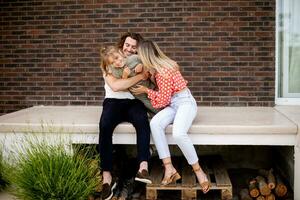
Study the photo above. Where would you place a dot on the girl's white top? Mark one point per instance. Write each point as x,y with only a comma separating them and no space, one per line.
109,93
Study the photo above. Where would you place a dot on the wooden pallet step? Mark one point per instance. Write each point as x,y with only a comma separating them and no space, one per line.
213,166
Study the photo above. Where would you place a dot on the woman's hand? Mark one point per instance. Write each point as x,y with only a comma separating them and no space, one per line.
145,74
139,89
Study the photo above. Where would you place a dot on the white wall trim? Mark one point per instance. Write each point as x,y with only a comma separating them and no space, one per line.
287,101
280,100
276,53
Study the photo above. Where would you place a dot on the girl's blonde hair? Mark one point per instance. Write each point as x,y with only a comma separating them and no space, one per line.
153,58
105,54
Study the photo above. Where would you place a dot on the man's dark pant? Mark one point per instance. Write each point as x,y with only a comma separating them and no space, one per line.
114,112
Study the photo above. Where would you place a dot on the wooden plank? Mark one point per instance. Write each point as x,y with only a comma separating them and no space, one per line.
151,194
212,166
188,177
177,165
188,182
156,173
205,168
220,172
226,194
188,194
207,164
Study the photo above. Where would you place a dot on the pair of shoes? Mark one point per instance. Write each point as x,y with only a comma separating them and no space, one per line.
205,185
143,177
108,190
172,179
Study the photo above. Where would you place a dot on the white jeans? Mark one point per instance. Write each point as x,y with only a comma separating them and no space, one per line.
181,112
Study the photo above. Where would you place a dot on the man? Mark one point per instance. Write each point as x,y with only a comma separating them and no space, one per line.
120,106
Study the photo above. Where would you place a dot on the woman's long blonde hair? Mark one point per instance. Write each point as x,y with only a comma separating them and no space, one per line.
153,58
105,54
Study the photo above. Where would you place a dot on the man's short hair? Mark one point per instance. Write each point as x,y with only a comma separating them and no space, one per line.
135,36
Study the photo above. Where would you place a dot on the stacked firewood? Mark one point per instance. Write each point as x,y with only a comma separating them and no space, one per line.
266,186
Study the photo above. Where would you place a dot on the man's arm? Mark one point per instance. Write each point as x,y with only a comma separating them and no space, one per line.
123,84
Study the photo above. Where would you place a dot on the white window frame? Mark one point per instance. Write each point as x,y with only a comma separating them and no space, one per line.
280,100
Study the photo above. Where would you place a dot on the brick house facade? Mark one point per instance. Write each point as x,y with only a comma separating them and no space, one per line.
49,50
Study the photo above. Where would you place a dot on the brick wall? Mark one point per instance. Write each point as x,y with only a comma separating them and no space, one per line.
50,49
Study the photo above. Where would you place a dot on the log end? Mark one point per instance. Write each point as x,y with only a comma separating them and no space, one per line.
254,193
281,190
271,186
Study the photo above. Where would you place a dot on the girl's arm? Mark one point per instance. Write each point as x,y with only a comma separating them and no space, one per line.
123,84
126,72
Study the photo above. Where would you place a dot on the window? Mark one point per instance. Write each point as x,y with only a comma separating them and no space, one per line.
288,52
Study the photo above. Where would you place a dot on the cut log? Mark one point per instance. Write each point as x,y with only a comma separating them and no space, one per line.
244,194
270,197
260,197
253,190
263,186
280,189
268,174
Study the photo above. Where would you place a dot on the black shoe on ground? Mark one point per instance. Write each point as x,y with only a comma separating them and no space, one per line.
143,177
108,190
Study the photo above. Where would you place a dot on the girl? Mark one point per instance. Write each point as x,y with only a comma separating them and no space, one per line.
121,67
180,108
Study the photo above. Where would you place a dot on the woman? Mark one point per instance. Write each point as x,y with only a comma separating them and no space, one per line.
120,106
180,108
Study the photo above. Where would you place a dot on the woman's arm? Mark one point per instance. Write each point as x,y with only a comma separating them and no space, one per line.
123,84
160,98
152,79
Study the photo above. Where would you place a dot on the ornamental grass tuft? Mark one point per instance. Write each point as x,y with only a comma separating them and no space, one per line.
3,170
49,172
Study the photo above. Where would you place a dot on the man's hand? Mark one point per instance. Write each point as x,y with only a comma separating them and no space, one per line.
139,89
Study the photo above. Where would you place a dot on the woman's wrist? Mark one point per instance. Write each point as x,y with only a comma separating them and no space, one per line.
147,90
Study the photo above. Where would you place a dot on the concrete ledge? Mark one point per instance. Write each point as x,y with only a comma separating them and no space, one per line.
213,125
293,113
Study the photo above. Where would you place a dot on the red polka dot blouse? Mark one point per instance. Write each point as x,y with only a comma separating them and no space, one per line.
169,83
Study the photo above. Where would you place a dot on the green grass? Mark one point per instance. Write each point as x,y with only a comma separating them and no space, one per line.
48,172
3,170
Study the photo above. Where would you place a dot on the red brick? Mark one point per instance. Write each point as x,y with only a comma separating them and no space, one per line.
50,49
